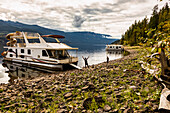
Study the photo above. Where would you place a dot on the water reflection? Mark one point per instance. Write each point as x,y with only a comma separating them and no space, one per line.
96,57
16,70
114,54
3,74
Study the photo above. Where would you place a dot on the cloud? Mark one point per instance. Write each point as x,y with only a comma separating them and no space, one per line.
78,21
111,17
97,8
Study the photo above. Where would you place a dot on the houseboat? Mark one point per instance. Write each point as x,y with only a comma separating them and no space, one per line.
31,49
114,47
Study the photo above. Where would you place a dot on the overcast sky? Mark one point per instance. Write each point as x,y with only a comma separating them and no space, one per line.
111,17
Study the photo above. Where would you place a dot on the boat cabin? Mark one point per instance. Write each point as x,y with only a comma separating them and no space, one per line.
114,47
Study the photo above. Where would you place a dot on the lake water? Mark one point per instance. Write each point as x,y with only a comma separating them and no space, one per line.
95,57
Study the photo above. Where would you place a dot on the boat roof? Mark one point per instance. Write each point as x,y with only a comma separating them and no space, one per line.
51,46
41,45
113,45
53,36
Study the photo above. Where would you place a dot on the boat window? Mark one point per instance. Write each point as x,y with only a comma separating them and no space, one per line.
34,40
119,46
22,56
22,50
50,40
44,53
62,54
29,51
11,67
50,53
116,47
110,46
10,50
11,55
23,75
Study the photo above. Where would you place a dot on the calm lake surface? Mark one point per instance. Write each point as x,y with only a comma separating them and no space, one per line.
95,57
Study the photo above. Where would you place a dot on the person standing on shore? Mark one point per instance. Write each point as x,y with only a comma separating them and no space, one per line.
107,61
85,61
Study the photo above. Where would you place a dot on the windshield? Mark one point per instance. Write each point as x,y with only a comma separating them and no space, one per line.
50,40
58,54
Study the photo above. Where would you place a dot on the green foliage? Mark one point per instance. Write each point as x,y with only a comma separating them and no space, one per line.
148,30
1,90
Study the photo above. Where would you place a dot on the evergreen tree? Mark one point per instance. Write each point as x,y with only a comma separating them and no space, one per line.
141,31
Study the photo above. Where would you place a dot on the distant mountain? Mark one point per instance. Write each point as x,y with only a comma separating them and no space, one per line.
10,26
82,40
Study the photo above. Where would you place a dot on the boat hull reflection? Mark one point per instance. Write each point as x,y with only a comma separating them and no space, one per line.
115,53
18,70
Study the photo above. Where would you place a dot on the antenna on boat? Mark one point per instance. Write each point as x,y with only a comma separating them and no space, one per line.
26,41
41,39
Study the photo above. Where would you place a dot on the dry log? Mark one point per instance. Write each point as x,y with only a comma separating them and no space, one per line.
164,103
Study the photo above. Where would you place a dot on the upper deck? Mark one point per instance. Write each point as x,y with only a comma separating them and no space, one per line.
35,40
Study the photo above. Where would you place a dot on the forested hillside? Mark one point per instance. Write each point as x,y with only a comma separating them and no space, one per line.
145,30
83,40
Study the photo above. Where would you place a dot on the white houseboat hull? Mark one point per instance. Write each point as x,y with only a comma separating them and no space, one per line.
45,65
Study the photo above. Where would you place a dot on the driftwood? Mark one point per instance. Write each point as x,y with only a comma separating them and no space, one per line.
164,105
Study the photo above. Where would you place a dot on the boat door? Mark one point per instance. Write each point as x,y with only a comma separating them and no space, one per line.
70,59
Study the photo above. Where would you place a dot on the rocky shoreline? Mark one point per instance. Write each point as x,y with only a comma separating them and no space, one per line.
120,86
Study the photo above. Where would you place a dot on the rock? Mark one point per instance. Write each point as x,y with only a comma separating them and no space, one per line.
110,99
9,106
61,111
109,92
104,84
89,111
120,88
99,110
107,108
118,95
114,111
83,111
126,110
39,92
28,93
39,87
67,95
146,89
103,89
63,106
48,99
22,110
6,98
85,87
122,108
69,99
132,87
91,86
49,95
155,108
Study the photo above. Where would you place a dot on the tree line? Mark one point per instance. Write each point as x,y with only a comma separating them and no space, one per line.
143,31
